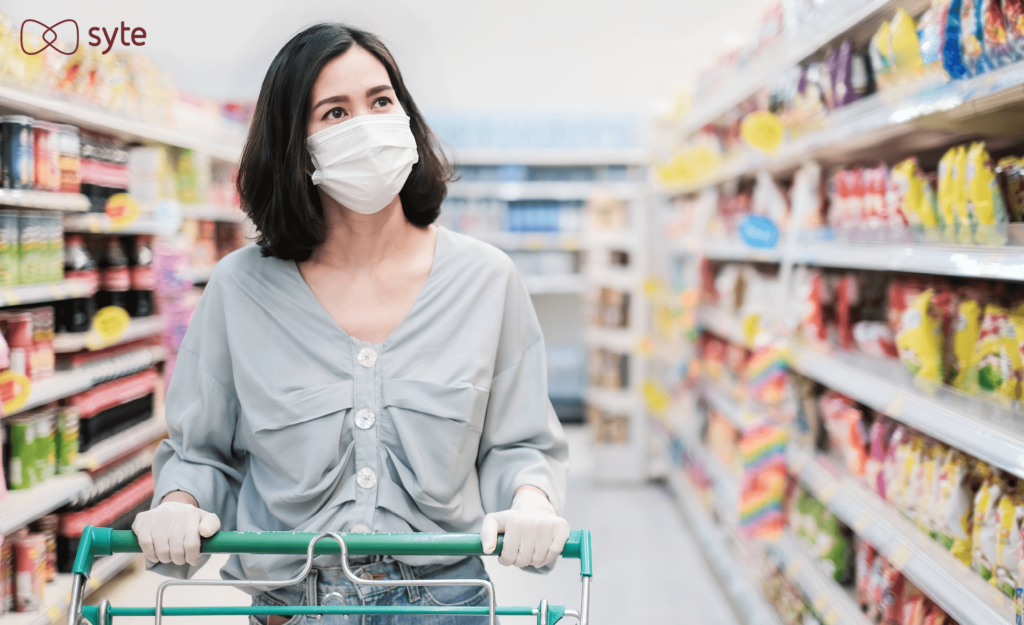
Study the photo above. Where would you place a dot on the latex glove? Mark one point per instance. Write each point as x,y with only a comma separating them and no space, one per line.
534,534
170,532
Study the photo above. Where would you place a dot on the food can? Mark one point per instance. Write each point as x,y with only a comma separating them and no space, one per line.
46,151
67,439
6,574
55,248
17,331
30,247
16,152
46,526
8,249
46,443
30,572
70,159
21,434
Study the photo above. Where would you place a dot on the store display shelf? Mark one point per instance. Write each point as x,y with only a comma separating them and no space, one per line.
621,340
213,212
21,507
140,328
613,400
554,157
734,249
123,443
825,26
611,239
744,592
830,600
99,223
726,405
555,284
617,279
722,324
984,429
997,263
727,483
564,191
963,594
47,292
44,200
94,117
531,241
58,592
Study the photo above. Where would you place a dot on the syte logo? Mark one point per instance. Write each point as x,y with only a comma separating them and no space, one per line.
64,37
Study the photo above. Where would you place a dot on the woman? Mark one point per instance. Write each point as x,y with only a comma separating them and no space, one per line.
361,370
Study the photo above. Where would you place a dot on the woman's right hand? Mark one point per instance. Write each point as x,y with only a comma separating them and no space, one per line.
171,531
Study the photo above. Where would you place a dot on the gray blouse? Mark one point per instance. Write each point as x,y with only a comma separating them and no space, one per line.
279,420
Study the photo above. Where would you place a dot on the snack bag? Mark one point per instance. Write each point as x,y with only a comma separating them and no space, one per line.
906,48
928,497
874,475
945,194
1013,14
894,469
1017,324
966,331
955,512
913,605
913,466
939,33
881,55
845,426
985,209
985,531
997,47
865,560
919,339
1009,514
874,210
890,594
963,228
834,546
997,357
1010,173
936,616
971,38
910,184
874,338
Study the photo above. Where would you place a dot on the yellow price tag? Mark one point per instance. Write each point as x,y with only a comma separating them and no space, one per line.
831,618
657,398
762,131
11,297
899,557
862,523
895,407
109,325
820,604
792,570
751,328
689,166
827,493
653,287
123,210
55,614
15,389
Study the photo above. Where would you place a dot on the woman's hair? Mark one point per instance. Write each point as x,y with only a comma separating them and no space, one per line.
273,182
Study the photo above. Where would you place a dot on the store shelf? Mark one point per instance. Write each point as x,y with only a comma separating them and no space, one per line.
99,223
66,342
621,340
123,443
997,263
611,239
830,600
44,200
565,191
94,117
727,406
531,241
744,592
617,279
541,157
721,324
981,428
58,592
613,400
62,384
212,212
556,284
722,249
827,24
48,292
963,594
21,507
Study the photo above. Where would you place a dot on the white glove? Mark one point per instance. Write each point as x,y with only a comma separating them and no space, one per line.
170,532
534,534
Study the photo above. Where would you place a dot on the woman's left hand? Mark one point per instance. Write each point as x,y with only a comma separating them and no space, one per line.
534,534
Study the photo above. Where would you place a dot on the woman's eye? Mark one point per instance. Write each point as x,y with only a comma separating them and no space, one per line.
382,101
335,113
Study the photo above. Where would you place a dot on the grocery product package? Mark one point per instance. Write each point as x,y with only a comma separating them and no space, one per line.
947,179
985,532
906,48
997,357
966,330
939,33
914,196
933,459
833,546
874,468
919,339
1013,14
865,560
844,423
955,506
985,209
1009,516
971,37
894,470
1010,174
881,55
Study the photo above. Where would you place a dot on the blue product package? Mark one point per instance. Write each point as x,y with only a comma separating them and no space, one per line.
952,59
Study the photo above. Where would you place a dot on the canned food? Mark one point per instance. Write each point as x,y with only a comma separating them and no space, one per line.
70,148
67,439
46,526
55,248
30,248
8,249
6,574
46,148
30,572
46,443
16,152
21,434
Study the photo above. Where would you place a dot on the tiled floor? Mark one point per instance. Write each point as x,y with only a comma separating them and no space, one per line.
648,569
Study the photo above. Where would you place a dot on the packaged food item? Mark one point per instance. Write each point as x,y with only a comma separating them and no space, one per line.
939,33
7,594
1010,174
933,457
936,616
906,48
834,546
913,195
1013,15
986,530
997,357
955,506
1009,514
971,37
46,443
17,162
985,210
46,526
70,155
946,196
866,557
919,339
67,439
915,462
21,435
881,54
30,575
876,588
966,332
840,67
47,165
845,426
913,605
997,47
879,434
890,594
895,468
874,338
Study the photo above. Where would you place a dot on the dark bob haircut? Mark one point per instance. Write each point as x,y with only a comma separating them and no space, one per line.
273,181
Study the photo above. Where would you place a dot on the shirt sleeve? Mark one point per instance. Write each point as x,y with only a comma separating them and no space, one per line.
522,442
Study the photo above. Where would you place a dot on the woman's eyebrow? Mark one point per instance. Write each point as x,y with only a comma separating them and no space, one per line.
375,90
344,98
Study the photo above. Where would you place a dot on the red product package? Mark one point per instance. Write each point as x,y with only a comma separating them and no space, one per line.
109,510
913,607
847,296
875,338
865,560
879,434
889,595
874,211
813,324
874,588
114,393
845,426
936,616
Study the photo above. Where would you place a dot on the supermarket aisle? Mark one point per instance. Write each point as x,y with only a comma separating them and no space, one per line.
648,568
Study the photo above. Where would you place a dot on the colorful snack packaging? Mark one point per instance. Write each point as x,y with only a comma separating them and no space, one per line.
955,506
997,356
874,338
913,605
963,228
946,195
890,594
915,478
845,426
878,435
894,469
933,458
971,37
936,616
985,210
876,588
915,198
840,66
1009,515
881,55
865,560
1010,173
985,531
966,332
939,33
919,339
1013,15
997,47
906,48
834,546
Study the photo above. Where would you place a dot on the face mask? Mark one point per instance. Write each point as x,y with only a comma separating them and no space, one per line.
364,162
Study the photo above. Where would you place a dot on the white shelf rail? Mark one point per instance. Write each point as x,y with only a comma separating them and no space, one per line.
138,328
45,292
44,200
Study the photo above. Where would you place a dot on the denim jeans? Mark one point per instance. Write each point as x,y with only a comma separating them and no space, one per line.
323,581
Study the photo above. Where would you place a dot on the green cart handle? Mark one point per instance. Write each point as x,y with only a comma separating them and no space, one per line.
99,541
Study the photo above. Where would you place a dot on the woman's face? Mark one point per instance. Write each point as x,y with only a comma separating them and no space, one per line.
353,84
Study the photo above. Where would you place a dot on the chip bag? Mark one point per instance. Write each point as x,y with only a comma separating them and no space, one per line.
1010,172
906,48
946,196
971,37
919,339
955,506
1013,14
933,458
984,538
965,339
881,55
985,209
960,199
997,47
1009,515
997,356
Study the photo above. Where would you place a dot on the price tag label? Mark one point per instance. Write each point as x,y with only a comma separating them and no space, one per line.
109,325
827,493
792,570
820,604
57,292
900,556
15,389
11,297
762,131
123,210
751,328
55,614
831,618
862,523
896,406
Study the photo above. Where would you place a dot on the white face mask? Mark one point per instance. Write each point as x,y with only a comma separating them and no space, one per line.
364,162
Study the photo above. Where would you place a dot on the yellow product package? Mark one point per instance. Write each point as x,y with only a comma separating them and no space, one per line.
906,47
1017,325
985,530
919,340
894,469
933,457
997,357
917,199
955,512
913,467
965,338
986,209
1009,514
1012,170
881,55
945,195
963,223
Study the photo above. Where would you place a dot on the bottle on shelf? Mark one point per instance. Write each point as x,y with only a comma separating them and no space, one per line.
74,315
143,278
115,279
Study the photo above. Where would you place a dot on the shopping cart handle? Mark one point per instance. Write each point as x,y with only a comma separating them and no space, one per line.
103,541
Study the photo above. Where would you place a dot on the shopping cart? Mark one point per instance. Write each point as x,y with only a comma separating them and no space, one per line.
100,541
